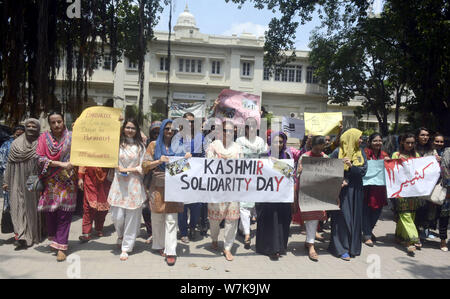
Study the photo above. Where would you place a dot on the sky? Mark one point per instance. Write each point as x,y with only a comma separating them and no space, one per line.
221,18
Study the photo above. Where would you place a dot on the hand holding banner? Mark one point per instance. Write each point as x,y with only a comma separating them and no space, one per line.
95,138
322,123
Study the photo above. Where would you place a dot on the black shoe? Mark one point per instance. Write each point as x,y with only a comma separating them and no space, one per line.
21,245
274,257
247,244
191,234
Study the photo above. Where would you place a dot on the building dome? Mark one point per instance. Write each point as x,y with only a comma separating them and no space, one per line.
186,20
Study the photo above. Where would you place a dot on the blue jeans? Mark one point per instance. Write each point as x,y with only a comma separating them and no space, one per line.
182,218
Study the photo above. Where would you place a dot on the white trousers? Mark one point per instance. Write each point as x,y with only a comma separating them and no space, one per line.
164,232
245,214
229,232
127,224
311,229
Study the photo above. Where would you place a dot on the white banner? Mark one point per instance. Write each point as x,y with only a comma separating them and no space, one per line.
412,177
218,180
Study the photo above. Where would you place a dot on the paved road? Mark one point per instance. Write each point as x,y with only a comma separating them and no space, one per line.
100,259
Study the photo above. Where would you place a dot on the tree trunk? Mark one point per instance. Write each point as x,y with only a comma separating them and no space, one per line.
142,50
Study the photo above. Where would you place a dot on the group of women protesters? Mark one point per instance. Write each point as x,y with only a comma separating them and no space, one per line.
127,195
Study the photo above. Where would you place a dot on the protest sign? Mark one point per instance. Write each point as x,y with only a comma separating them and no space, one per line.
95,138
218,180
375,173
239,106
293,127
320,184
179,109
322,123
411,177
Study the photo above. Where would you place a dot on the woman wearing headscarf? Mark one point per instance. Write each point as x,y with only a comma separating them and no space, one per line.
311,218
406,231
22,162
224,147
127,193
346,223
274,219
164,214
375,197
58,200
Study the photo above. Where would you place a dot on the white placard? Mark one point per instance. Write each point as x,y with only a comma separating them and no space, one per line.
219,180
412,177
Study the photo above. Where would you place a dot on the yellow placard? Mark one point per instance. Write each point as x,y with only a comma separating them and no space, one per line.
96,137
322,123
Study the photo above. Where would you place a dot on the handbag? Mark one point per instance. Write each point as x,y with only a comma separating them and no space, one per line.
7,226
34,184
438,195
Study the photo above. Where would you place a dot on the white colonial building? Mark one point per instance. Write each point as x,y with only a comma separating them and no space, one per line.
201,66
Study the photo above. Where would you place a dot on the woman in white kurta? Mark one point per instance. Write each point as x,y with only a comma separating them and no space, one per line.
228,211
253,147
127,193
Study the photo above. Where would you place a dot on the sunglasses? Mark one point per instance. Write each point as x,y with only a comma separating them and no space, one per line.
170,129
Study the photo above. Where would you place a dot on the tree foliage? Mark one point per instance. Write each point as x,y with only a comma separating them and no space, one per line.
37,35
415,34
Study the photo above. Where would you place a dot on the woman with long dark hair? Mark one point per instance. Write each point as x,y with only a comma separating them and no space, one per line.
443,212
425,213
375,197
127,193
406,232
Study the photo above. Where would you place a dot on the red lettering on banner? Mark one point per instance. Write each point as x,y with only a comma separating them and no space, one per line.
260,167
278,182
412,181
248,182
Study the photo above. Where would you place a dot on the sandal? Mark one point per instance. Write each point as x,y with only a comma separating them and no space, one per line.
170,260
444,246
161,252
61,256
123,256
345,257
418,245
369,243
313,256
228,256
84,238
215,245
185,240
410,250
247,244
319,237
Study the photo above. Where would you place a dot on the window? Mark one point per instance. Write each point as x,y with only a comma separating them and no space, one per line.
132,65
180,64
107,62
189,65
215,67
266,75
310,78
246,69
298,73
163,64
291,73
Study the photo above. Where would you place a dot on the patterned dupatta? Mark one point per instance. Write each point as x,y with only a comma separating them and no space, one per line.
49,149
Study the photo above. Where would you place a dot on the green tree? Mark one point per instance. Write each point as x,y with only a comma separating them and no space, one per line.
355,62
